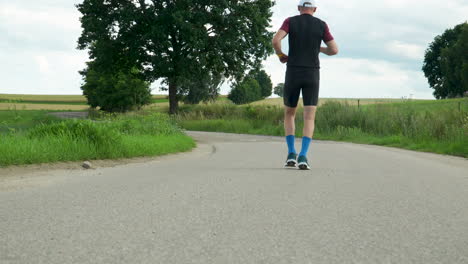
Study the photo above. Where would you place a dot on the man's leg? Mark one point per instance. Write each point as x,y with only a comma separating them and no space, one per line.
309,121
290,127
292,90
309,126
310,94
289,120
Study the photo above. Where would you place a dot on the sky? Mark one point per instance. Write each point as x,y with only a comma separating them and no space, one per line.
382,44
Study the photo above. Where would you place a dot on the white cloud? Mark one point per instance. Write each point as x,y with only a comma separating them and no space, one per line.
381,45
43,64
61,18
38,28
361,78
45,72
411,51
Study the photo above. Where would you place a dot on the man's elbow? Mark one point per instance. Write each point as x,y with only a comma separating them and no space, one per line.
334,51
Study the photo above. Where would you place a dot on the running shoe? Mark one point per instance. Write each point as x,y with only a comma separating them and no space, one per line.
291,161
303,164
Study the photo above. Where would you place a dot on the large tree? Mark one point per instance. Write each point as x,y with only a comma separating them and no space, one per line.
454,65
442,59
176,39
203,87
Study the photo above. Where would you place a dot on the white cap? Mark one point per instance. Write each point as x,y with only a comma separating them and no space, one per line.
307,3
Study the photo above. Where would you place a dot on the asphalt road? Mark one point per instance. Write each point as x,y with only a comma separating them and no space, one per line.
230,201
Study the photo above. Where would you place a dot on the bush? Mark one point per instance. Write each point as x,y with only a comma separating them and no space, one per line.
119,92
246,92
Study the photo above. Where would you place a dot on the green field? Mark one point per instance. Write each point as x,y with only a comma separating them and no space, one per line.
78,102
53,102
423,125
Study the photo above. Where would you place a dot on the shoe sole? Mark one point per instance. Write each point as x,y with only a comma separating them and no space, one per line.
290,164
304,166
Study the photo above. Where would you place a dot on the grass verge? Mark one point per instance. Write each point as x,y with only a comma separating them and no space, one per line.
108,138
430,126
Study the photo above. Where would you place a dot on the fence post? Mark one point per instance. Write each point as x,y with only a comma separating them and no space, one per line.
358,103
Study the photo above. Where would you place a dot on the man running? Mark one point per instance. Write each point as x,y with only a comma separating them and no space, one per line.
306,34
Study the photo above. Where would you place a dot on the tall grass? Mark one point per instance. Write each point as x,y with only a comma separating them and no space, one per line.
435,126
107,138
19,120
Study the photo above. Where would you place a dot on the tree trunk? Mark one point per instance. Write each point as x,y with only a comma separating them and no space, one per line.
173,102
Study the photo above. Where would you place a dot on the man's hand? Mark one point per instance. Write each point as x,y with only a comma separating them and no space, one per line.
283,57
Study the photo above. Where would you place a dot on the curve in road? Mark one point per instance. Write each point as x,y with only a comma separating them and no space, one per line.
230,201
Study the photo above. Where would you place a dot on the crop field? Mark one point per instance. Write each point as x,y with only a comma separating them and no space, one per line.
78,102
52,102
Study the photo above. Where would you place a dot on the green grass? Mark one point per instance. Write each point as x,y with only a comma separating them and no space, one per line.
431,126
115,137
20,120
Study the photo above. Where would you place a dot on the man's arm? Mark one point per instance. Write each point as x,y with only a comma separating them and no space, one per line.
331,49
281,34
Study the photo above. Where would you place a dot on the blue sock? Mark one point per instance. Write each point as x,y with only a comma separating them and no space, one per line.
290,140
305,146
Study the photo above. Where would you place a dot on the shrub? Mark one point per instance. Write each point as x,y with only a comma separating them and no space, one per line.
119,92
246,92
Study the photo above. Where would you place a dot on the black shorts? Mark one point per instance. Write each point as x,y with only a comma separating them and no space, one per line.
305,79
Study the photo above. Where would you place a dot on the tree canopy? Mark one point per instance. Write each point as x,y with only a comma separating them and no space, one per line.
446,63
119,92
264,81
177,39
246,91
279,89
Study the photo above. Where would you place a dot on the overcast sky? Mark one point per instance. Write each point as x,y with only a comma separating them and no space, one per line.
381,42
